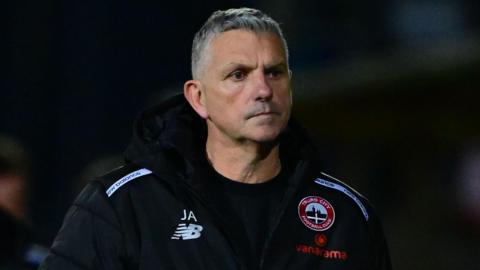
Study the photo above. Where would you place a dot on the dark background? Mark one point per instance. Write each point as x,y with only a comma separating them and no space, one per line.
387,88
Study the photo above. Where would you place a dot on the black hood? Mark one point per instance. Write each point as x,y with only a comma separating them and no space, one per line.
170,137
167,137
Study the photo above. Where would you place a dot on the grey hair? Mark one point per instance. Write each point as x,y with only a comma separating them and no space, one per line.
224,20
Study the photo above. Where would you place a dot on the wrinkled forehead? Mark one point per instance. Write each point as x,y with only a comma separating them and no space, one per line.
245,46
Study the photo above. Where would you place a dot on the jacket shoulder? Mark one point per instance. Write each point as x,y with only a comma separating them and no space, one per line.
333,183
380,258
121,176
89,221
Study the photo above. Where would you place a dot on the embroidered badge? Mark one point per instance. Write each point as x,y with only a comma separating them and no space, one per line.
316,213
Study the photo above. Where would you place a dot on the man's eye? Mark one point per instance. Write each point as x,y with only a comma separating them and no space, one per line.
274,73
238,75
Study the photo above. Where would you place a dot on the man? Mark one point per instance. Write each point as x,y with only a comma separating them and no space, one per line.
221,178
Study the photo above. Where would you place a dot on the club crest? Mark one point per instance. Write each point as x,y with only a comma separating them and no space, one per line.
316,213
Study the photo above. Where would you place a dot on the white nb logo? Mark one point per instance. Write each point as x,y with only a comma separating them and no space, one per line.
184,232
190,231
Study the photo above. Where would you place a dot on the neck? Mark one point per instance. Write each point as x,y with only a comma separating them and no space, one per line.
246,162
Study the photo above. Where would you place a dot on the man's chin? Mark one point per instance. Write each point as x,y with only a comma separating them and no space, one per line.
265,137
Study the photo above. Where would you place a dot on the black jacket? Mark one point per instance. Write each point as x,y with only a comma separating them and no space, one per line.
153,214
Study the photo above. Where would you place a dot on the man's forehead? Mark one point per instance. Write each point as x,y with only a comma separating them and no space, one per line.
235,47
232,37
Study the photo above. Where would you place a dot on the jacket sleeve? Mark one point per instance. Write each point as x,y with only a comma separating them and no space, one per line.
90,237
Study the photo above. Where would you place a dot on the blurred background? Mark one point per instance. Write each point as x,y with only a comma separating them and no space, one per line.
388,89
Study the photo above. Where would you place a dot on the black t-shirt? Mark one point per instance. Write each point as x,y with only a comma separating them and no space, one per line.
253,206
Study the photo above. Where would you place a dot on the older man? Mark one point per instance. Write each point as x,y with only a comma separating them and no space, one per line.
221,178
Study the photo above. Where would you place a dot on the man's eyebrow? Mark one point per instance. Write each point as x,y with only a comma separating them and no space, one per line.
280,64
237,65
227,68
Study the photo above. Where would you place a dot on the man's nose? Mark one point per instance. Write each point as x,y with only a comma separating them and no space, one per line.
263,90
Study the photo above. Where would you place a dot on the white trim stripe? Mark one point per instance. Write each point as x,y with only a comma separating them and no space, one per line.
127,178
346,191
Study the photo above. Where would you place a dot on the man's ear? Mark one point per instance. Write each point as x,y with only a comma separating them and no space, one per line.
195,94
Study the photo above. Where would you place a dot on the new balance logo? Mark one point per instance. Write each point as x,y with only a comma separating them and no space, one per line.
186,231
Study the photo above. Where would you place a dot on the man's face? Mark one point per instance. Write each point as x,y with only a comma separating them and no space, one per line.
246,84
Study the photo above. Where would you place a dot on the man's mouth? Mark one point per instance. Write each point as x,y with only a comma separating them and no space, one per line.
262,113
259,110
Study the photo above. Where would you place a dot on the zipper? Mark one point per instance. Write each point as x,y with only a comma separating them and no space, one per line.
288,197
